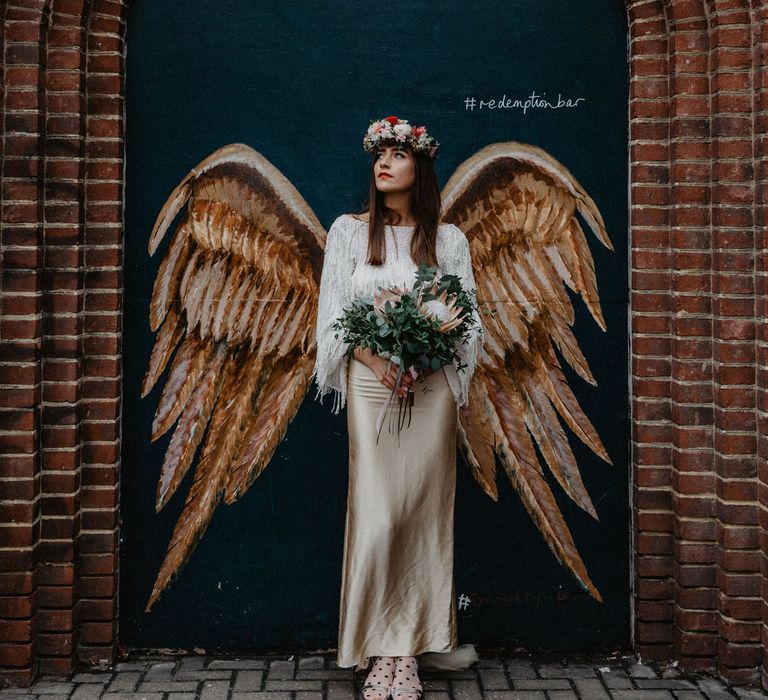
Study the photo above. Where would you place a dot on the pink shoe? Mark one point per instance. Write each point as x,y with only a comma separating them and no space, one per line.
382,669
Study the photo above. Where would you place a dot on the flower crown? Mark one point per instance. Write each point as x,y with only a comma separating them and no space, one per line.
395,129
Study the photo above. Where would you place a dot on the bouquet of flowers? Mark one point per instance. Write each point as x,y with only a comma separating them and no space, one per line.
417,329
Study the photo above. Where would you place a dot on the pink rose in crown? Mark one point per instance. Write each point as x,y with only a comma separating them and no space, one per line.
419,130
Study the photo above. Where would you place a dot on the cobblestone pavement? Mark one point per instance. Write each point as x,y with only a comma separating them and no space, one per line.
317,677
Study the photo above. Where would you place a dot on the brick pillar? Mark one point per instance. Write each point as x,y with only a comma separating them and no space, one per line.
60,334
697,338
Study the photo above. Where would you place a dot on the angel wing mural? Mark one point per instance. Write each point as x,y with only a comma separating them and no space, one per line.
235,303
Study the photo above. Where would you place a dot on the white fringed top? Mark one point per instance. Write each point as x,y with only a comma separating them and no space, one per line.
346,276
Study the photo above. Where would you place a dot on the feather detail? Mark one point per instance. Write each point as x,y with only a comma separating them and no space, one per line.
188,366
478,452
543,424
191,427
585,274
177,199
238,287
211,471
167,339
277,403
168,277
536,496
567,406
518,207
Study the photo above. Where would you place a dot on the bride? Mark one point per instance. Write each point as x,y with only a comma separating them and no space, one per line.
397,588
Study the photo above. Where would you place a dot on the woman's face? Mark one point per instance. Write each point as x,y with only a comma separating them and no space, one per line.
394,169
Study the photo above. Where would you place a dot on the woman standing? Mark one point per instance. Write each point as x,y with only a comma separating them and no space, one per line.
397,592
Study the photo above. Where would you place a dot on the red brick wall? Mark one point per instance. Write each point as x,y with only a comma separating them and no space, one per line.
697,148
60,296
698,101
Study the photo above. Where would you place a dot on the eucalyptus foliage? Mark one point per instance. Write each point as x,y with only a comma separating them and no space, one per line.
404,333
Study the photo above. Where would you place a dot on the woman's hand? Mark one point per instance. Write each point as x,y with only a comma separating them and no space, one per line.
378,365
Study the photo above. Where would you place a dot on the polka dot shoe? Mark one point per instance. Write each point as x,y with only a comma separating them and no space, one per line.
378,682
406,685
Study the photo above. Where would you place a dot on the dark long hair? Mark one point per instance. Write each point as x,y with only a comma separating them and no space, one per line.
425,206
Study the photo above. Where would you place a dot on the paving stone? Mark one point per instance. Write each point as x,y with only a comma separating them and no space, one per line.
639,670
311,662
191,663
515,695
131,665
293,685
669,683
493,680
93,677
248,681
51,696
551,670
332,674
237,664
749,694
48,687
214,690
181,696
491,663
670,672
437,695
542,684
309,695
641,695
713,689
340,690
162,686
446,675
160,670
562,695
132,696
691,695
520,668
124,681
466,690
590,689
579,671
87,691
261,696
435,685
14,692
281,669
202,675
616,680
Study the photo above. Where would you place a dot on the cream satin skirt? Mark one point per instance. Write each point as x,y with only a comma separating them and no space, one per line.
397,588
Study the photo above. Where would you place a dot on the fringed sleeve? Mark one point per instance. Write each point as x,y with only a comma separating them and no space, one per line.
332,363
460,264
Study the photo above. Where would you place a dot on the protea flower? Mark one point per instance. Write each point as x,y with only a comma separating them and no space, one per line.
380,298
446,312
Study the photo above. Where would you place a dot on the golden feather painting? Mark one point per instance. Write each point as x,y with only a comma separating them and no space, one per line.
235,304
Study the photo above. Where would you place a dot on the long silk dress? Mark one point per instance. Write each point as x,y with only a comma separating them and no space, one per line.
397,588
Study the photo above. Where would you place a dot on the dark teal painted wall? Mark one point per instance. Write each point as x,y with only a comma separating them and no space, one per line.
300,83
